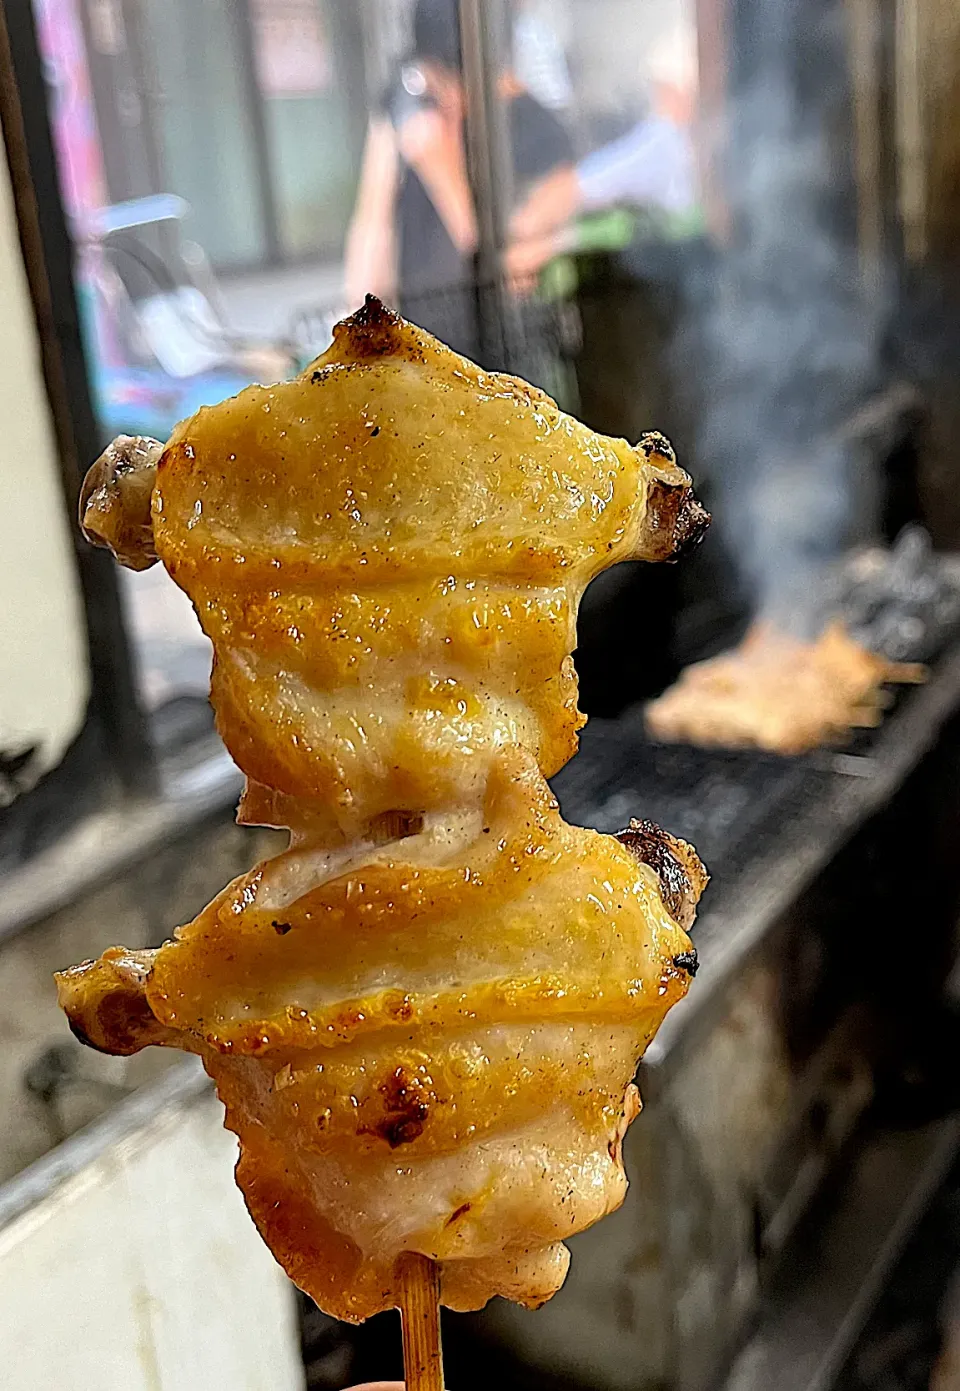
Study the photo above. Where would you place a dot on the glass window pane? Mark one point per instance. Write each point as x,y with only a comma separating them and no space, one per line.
193,56
309,65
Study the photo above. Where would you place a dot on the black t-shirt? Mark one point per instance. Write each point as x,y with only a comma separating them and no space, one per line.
435,279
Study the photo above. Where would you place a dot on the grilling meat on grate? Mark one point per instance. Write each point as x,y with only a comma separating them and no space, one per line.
424,1017
776,693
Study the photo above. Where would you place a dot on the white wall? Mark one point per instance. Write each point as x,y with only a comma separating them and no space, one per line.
43,671
143,1272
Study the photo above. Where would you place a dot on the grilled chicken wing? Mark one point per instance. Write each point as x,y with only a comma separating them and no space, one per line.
424,1017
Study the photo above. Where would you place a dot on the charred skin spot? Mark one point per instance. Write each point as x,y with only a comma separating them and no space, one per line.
401,1131
349,1018
677,866
126,1023
679,521
81,1035
687,961
373,331
116,500
650,846
106,1006
656,445
402,1009
405,1109
692,524
395,825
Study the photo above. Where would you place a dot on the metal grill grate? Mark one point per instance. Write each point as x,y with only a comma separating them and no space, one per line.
728,802
718,800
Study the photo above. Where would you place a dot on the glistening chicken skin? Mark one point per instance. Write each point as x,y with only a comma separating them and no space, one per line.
424,1017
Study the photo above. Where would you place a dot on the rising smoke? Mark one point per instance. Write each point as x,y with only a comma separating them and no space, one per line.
793,340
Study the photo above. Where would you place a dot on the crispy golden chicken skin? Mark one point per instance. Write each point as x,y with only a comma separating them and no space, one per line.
424,1017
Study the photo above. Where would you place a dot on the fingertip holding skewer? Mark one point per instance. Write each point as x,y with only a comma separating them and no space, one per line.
419,1279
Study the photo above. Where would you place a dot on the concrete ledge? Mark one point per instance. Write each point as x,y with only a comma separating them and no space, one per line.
107,842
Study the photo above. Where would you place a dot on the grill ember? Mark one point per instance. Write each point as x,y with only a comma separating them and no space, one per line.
425,1016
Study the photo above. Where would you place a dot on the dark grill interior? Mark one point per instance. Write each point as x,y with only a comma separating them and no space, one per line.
718,800
729,803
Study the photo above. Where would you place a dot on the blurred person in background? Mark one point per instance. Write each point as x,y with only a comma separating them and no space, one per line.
413,234
651,168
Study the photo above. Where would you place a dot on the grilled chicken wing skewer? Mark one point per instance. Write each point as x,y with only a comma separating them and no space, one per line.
424,1017
776,693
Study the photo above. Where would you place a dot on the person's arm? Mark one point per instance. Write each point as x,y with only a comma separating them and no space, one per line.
549,206
370,252
651,166
524,260
540,227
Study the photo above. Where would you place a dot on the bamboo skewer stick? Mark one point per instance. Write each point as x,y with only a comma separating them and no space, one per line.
419,1279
